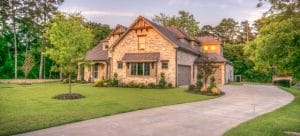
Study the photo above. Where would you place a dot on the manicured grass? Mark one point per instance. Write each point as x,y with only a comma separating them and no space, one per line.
31,107
275,123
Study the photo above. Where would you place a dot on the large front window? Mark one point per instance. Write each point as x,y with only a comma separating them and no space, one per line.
96,70
140,69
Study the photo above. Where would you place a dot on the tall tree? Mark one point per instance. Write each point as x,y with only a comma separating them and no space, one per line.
100,31
70,40
246,31
184,20
207,30
227,30
29,62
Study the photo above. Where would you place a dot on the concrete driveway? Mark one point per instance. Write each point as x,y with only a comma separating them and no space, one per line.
204,118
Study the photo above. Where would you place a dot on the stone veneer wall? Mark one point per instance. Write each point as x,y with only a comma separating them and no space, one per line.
155,42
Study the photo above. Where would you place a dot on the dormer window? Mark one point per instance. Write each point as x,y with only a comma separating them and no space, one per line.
213,47
205,48
142,42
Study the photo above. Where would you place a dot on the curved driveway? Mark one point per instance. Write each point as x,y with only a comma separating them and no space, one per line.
204,118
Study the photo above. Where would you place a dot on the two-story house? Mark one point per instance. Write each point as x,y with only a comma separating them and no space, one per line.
142,51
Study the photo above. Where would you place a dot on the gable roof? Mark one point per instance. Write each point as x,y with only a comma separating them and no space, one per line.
165,33
208,40
114,31
97,53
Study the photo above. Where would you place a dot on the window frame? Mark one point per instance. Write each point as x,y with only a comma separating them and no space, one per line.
140,69
139,43
120,65
166,66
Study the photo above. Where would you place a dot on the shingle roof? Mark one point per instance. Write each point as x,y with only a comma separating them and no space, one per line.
208,40
137,57
214,57
171,36
97,53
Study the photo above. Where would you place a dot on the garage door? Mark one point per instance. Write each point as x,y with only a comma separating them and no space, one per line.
184,75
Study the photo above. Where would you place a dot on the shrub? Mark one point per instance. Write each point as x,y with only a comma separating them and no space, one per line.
131,84
66,81
203,90
215,91
191,87
141,85
99,83
115,81
199,80
282,82
212,83
170,85
151,85
162,82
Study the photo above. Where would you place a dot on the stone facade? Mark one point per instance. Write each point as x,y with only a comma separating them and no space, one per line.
154,43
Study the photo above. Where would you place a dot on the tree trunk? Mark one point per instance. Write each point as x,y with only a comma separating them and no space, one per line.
41,66
15,41
70,92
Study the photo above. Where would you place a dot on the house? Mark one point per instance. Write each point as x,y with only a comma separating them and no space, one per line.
145,49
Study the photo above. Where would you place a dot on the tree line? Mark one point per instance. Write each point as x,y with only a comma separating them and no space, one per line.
23,24
270,46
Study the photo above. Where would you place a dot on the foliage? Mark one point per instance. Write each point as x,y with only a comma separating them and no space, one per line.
206,68
199,80
243,65
115,81
151,85
162,81
283,82
28,64
98,102
212,83
184,20
215,91
169,85
227,30
278,46
204,90
100,31
70,40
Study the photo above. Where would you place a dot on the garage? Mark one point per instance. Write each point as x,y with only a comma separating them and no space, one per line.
184,75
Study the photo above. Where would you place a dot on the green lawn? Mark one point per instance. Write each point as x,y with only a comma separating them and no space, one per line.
26,108
275,123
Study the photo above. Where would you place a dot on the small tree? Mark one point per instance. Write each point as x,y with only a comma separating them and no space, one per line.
28,64
162,82
212,83
206,67
70,40
199,80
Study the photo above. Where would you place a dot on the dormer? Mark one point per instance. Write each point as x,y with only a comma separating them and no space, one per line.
114,35
209,44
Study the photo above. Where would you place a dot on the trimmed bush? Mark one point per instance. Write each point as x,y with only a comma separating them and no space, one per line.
215,91
203,90
162,81
282,82
151,85
141,85
170,85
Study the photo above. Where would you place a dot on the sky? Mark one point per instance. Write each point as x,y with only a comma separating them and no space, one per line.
113,12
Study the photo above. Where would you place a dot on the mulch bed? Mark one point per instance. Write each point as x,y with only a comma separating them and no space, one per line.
196,91
68,96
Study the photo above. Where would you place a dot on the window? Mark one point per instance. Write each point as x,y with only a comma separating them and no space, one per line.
213,47
140,69
164,65
133,68
142,42
205,48
96,70
146,69
120,65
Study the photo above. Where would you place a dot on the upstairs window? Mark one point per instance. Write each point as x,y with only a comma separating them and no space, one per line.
213,47
205,48
142,42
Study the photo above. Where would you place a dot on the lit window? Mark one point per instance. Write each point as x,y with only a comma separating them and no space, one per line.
205,48
142,42
213,47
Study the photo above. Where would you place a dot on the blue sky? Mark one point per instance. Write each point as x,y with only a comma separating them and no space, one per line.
124,12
